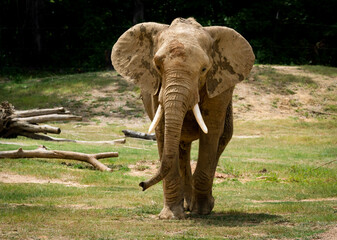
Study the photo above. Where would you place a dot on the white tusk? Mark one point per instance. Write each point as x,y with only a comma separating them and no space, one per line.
156,119
200,120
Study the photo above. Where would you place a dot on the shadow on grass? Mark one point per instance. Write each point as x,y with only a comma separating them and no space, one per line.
236,218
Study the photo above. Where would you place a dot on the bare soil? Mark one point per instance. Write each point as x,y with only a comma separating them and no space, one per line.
253,102
331,234
15,178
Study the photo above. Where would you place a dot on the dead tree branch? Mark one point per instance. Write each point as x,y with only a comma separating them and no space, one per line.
324,164
48,118
15,123
133,134
38,112
43,152
36,128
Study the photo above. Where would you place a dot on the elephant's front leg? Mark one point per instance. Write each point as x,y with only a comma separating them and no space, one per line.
173,194
203,201
178,186
173,183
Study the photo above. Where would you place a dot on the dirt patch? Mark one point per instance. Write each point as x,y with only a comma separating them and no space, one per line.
15,178
118,102
143,169
255,101
331,234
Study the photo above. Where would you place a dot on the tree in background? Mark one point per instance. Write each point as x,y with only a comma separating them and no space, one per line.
78,34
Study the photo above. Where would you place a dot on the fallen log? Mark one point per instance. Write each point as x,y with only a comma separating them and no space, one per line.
43,152
38,112
15,123
36,128
48,118
134,134
122,141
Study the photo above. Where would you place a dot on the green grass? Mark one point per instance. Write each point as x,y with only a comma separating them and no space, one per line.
50,91
269,79
323,70
73,92
271,175
277,186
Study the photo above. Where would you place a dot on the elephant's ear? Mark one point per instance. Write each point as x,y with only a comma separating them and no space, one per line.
132,55
233,58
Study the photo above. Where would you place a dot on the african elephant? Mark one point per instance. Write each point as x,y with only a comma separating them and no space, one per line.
186,74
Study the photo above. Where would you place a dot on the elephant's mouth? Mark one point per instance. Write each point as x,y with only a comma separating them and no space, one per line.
196,112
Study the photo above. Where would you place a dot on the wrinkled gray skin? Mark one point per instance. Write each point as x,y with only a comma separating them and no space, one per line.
178,66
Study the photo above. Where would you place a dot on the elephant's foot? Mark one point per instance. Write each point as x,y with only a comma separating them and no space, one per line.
202,204
174,212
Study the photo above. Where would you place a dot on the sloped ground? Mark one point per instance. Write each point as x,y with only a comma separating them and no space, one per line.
285,91
270,92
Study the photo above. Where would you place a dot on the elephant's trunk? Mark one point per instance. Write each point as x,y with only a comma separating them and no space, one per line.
176,102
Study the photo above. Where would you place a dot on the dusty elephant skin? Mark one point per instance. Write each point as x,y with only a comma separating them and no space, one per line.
187,74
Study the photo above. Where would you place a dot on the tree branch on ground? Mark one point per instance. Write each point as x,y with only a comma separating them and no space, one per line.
15,123
133,134
322,113
43,152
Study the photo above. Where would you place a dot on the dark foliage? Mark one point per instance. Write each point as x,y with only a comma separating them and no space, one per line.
77,35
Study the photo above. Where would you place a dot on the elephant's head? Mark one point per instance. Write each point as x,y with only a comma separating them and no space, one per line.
176,61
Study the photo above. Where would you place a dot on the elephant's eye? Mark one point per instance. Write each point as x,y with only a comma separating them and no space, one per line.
158,67
203,69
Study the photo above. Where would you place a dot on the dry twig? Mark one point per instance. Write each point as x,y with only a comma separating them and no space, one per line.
326,164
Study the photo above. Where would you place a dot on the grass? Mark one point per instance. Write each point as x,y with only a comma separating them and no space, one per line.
323,70
52,90
277,186
281,83
73,92
271,175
